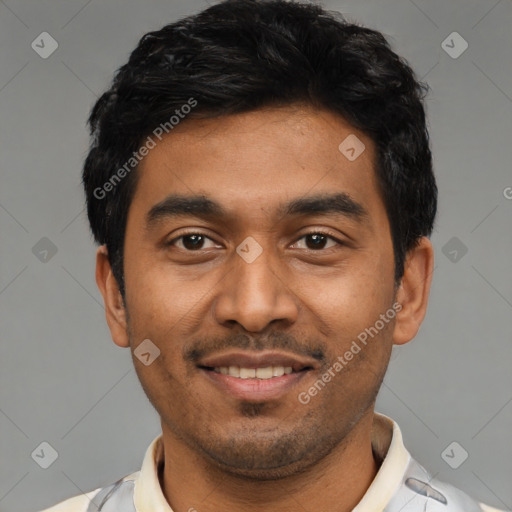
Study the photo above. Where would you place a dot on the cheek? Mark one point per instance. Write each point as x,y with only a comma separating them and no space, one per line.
352,298
164,301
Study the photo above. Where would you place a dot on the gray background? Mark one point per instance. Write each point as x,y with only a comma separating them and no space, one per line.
64,382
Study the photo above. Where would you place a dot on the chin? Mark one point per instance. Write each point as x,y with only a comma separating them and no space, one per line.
241,470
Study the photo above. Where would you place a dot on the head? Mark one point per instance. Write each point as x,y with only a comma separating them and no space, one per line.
283,127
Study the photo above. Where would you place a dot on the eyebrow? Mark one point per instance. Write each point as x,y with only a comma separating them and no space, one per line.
200,206
323,204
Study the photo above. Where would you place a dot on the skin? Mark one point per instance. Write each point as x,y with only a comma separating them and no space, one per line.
222,453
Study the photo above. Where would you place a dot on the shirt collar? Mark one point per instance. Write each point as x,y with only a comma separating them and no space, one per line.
387,445
148,495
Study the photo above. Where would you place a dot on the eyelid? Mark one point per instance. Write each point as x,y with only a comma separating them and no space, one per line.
323,232
196,231
318,231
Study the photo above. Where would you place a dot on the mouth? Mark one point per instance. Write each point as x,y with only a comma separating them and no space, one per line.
265,373
256,377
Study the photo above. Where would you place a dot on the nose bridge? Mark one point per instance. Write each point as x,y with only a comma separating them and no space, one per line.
254,295
257,278
254,278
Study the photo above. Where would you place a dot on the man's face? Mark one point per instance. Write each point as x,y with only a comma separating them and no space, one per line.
324,275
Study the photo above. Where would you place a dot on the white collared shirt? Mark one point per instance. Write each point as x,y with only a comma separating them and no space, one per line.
401,484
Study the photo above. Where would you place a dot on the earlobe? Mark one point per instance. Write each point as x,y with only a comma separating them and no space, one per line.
115,310
413,291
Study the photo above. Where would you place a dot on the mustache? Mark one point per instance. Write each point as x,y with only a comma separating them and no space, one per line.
201,348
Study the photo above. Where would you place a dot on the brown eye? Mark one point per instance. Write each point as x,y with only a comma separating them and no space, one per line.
193,242
317,241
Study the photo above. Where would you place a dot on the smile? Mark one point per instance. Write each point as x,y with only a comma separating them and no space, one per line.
269,372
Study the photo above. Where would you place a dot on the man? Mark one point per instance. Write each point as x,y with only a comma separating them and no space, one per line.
260,183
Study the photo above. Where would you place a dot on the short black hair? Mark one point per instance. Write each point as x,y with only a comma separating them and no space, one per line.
242,55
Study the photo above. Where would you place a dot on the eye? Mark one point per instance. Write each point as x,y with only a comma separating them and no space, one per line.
317,241
193,242
196,241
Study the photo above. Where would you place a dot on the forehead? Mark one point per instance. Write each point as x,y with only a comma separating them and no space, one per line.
255,162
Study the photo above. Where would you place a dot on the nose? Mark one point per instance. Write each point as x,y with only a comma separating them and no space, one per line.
254,295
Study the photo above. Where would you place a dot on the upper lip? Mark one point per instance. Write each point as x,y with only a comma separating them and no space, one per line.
263,359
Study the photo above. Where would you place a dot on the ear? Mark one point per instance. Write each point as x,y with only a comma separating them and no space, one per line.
114,307
413,291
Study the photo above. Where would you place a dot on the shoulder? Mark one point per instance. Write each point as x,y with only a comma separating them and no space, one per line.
94,500
75,504
419,491
404,485
486,508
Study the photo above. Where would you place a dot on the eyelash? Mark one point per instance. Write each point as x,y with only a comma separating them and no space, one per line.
318,232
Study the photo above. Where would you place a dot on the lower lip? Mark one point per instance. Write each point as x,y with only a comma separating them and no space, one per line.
255,390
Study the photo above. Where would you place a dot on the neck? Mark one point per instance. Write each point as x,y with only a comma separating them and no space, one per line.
337,483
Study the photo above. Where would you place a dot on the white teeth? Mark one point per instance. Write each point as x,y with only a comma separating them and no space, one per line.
234,371
264,373
252,373
277,371
247,373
